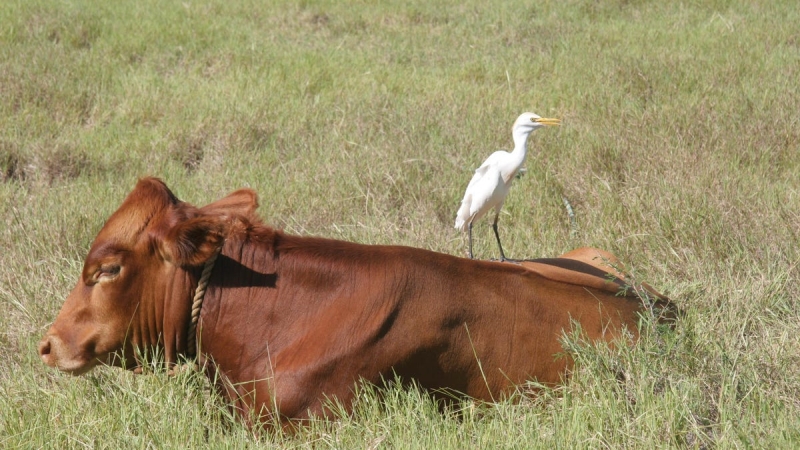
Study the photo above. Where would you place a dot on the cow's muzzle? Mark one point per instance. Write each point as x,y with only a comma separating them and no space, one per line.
53,353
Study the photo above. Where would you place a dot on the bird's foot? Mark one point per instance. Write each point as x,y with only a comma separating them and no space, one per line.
511,260
507,260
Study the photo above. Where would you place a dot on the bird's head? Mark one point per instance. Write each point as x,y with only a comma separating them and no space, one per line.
528,122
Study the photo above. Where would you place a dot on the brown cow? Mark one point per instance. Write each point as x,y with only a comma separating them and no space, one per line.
289,321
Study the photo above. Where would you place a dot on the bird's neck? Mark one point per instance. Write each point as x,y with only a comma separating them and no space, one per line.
514,162
520,139
520,146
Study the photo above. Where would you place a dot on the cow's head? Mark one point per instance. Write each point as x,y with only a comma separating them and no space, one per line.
134,292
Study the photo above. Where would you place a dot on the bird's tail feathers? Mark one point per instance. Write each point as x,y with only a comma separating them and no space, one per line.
462,217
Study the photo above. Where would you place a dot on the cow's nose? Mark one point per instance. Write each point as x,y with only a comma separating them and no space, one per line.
44,350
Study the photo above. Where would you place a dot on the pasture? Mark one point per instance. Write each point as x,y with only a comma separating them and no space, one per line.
364,121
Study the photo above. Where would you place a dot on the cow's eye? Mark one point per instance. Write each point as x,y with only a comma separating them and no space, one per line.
107,272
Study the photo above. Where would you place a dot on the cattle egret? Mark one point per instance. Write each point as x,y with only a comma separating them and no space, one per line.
489,186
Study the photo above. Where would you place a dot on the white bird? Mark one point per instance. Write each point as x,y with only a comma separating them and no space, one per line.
489,186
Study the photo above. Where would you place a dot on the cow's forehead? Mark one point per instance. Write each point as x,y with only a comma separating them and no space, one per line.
124,227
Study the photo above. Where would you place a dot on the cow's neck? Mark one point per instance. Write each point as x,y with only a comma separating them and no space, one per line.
236,313
197,303
163,315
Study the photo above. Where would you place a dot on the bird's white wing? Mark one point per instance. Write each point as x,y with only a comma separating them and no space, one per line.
481,193
491,162
486,193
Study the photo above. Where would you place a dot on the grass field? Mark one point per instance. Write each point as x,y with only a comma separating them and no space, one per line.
363,121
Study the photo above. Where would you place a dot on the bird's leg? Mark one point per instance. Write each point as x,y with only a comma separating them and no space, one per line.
497,235
470,240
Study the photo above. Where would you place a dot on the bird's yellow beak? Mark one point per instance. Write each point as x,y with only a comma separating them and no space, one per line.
547,121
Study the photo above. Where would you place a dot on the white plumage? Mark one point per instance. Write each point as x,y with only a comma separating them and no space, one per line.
492,180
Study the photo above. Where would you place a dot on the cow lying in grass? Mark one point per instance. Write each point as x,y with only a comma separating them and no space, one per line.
287,322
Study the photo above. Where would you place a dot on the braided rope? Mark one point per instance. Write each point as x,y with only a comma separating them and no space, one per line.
197,303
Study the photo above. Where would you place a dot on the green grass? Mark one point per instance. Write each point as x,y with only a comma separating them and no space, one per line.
363,121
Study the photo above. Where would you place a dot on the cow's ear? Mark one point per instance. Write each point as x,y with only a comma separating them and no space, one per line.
193,241
238,203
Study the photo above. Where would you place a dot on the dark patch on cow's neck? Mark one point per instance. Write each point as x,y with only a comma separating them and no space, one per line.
232,273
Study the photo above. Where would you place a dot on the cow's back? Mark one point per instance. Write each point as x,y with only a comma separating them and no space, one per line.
501,324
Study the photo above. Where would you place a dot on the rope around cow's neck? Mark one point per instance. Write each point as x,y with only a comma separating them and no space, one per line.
197,303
